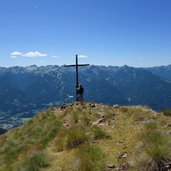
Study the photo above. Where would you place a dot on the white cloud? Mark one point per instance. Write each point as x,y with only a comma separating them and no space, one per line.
82,56
16,54
34,54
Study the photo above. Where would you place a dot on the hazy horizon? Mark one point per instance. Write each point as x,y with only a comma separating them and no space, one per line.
90,65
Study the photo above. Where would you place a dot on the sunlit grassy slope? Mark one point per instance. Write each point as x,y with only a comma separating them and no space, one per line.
89,137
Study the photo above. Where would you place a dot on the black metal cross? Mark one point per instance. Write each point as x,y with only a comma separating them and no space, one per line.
76,66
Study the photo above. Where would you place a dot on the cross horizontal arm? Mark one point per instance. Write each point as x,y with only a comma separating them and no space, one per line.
84,65
76,65
69,65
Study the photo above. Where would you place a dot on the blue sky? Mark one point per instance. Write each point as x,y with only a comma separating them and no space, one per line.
102,32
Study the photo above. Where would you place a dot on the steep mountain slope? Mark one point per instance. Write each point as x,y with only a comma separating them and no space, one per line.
162,71
26,90
89,136
2,131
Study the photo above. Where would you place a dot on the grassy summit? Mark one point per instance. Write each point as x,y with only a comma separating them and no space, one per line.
89,137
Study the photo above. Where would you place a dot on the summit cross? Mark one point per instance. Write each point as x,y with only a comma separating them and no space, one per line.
76,66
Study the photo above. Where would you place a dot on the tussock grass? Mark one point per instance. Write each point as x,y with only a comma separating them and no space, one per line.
140,114
98,133
85,120
75,117
167,112
151,127
71,138
34,162
37,160
156,148
59,141
75,137
91,158
123,109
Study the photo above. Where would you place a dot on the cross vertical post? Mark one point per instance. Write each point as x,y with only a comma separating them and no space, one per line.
76,67
77,83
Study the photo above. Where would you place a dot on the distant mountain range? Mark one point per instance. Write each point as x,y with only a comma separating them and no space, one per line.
26,90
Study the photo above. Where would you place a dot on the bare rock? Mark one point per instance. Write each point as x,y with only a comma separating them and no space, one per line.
92,105
169,125
123,155
63,107
95,141
66,123
168,166
169,133
120,142
116,106
111,166
99,121
123,166
147,120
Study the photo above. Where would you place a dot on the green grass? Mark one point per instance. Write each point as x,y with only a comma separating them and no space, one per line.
34,135
66,140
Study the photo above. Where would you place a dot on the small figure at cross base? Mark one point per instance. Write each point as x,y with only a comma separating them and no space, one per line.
80,91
